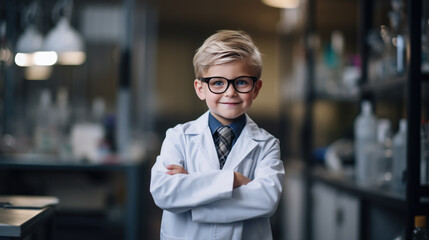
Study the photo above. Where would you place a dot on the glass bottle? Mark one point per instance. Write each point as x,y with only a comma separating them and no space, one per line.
365,131
399,34
380,155
420,231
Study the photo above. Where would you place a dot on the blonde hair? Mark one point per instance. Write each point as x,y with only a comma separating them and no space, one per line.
227,46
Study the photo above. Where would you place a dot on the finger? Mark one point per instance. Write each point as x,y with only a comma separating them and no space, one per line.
173,166
174,172
178,168
169,167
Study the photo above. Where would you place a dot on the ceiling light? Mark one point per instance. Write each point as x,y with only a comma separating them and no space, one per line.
30,41
66,42
72,58
36,59
282,3
44,58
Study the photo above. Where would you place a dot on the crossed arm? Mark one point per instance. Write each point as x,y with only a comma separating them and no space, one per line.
208,192
239,179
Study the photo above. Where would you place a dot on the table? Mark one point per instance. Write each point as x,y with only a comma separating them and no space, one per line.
21,216
131,169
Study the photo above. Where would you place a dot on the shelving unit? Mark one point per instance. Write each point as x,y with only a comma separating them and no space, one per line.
392,200
393,83
396,209
414,190
109,73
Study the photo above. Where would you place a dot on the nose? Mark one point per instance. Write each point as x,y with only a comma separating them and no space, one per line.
230,91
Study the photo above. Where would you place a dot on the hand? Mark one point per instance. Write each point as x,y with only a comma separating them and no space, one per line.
239,180
176,169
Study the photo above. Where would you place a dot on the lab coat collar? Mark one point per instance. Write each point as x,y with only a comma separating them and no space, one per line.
251,130
246,142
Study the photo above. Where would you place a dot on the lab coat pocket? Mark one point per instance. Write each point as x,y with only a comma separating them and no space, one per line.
166,237
174,226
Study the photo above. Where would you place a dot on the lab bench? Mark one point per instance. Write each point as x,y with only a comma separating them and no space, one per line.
27,216
129,222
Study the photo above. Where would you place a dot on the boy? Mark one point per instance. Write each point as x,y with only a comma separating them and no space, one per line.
212,181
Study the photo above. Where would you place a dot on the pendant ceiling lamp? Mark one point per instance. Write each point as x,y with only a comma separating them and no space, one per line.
28,50
65,41
37,64
30,42
62,45
282,3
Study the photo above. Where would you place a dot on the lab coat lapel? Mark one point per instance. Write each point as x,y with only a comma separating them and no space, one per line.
202,137
245,143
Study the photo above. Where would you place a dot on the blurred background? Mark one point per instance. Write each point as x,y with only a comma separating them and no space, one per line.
88,89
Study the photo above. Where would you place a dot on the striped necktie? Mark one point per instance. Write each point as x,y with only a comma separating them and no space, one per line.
223,141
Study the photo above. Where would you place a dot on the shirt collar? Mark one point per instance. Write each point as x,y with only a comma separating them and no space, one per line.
237,126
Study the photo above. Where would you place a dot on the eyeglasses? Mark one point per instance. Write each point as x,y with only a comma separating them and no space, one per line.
218,85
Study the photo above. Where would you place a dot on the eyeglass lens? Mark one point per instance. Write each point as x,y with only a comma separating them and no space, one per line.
242,84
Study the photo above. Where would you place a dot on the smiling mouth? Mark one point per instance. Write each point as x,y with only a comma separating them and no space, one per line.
230,103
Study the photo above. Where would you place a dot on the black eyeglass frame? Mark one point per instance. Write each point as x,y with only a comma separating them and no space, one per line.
207,80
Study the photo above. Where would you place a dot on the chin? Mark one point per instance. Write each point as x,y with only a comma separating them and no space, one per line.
231,117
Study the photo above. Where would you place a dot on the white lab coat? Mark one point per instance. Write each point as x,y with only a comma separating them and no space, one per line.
203,204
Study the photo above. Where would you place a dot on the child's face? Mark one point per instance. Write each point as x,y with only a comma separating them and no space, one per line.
227,106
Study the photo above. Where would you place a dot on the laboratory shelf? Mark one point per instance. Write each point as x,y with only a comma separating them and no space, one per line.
382,196
382,211
53,162
346,97
384,85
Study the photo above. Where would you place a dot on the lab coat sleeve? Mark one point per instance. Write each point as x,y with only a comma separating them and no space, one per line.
181,192
259,198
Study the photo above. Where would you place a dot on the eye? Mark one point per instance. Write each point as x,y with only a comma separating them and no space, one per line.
244,81
241,82
217,82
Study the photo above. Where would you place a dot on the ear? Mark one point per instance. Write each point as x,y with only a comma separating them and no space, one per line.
198,85
257,88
